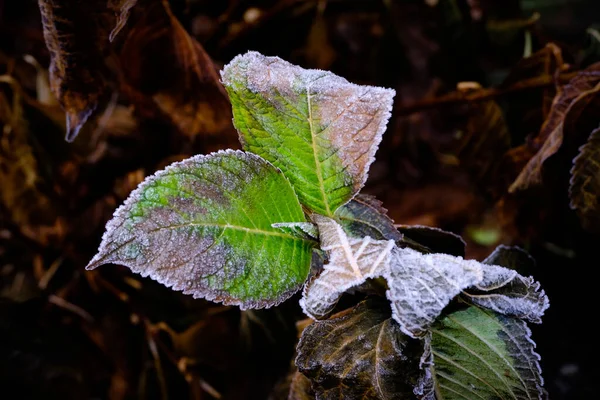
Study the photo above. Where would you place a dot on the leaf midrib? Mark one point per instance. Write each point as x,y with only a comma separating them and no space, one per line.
234,227
314,149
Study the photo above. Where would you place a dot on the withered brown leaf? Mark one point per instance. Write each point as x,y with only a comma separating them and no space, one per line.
29,206
360,354
571,98
585,183
122,9
485,137
170,74
73,37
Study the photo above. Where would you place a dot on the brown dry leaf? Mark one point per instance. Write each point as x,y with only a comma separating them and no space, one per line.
318,50
546,62
170,73
571,98
28,206
300,388
585,183
122,9
72,35
484,138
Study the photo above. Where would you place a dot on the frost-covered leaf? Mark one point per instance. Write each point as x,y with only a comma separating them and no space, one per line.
479,354
320,129
432,240
505,291
585,183
511,257
359,354
422,285
364,216
351,262
204,226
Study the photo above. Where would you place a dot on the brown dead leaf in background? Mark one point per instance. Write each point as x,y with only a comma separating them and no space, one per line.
72,37
29,207
122,9
546,62
585,183
163,62
570,98
318,50
483,138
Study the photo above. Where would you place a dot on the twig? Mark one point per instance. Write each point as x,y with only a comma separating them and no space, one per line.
459,97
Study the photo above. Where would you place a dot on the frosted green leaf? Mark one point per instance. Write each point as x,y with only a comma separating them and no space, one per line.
204,226
319,129
479,354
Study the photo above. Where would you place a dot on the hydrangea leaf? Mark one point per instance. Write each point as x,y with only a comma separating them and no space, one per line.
351,261
420,285
480,354
365,216
204,226
505,291
360,354
319,129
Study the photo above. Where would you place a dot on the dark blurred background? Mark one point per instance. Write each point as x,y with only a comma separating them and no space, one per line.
475,80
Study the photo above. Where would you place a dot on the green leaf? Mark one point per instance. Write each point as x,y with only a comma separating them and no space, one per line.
321,130
364,216
204,226
585,183
478,354
360,354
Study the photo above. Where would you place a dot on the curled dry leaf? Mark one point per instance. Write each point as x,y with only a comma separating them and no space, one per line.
484,139
570,99
359,354
168,73
75,42
320,129
204,226
479,354
122,9
584,191
23,193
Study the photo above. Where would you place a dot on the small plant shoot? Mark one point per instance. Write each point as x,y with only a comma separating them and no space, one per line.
246,228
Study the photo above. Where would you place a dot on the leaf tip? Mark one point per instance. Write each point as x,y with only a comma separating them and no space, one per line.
75,122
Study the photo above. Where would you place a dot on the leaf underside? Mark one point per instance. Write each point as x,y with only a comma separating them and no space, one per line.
479,354
360,354
319,129
204,226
